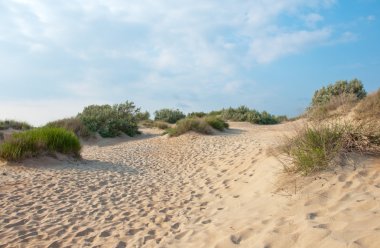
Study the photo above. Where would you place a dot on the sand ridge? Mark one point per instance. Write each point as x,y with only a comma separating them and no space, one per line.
221,190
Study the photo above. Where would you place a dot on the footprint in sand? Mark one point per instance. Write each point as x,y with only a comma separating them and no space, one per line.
235,239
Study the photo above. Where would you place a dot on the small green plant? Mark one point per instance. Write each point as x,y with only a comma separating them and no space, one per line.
17,125
216,123
74,125
39,141
169,115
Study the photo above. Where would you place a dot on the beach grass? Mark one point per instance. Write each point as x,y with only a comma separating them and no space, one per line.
40,141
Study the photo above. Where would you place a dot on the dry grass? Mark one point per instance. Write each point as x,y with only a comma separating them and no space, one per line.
337,106
74,125
155,124
316,147
369,107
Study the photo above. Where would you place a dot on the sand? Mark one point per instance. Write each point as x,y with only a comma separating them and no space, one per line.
223,190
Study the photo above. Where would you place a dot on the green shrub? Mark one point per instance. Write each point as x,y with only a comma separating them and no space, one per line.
142,116
168,115
215,113
316,147
39,141
216,123
354,87
17,125
190,124
111,121
243,113
197,114
74,125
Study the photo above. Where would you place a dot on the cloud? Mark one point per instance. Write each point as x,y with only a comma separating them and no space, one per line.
270,48
312,19
149,50
371,18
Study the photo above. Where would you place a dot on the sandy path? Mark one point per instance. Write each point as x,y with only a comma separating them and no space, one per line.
191,191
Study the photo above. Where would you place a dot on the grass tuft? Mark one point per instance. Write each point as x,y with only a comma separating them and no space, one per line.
40,141
315,148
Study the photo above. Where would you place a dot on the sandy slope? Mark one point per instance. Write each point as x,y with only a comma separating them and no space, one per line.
223,190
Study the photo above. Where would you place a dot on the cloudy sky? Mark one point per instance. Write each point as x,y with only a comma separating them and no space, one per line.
58,56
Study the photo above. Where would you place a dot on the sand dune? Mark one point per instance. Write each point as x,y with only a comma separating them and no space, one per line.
223,190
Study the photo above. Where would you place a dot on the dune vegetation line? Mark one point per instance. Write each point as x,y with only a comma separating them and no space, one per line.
341,119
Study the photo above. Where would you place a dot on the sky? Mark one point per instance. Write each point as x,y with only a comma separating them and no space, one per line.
57,57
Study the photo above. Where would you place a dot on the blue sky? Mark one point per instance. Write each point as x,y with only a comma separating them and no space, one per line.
58,56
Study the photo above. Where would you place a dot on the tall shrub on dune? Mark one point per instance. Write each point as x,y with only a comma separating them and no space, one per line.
111,121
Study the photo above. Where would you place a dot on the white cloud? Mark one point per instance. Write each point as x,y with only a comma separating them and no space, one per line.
371,18
268,49
116,49
312,19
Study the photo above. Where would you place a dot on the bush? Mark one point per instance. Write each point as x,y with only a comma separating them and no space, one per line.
354,87
316,147
197,114
341,104
243,113
142,116
216,123
190,124
39,141
74,125
168,115
17,125
111,121
369,107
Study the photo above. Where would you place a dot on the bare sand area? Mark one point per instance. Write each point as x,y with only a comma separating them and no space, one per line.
222,190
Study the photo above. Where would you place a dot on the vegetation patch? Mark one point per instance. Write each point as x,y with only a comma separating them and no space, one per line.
336,99
40,141
74,125
317,147
216,123
111,121
169,115
243,113
369,108
155,124
198,125
17,125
